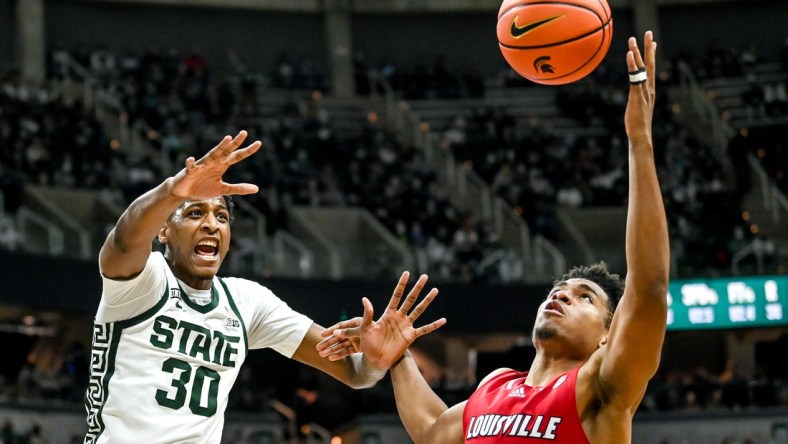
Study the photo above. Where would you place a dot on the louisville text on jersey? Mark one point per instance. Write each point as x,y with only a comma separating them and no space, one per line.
520,425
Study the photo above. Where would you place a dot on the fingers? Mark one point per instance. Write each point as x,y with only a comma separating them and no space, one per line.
645,61
224,147
336,348
348,332
638,59
366,320
334,342
642,66
190,163
423,305
239,188
355,322
327,344
228,147
431,327
631,65
398,290
650,48
224,151
413,294
341,353
239,155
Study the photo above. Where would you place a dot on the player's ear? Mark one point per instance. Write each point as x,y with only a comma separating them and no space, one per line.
602,342
163,234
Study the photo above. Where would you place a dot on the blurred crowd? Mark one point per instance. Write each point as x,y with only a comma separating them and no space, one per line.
180,103
701,389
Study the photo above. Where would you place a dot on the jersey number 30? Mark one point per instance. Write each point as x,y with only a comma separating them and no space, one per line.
196,404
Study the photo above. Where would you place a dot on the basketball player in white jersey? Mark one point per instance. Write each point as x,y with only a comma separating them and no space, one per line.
169,335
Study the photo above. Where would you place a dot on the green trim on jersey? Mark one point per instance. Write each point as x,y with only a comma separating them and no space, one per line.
115,329
197,307
237,313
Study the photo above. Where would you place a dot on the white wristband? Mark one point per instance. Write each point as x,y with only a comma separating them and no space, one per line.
369,373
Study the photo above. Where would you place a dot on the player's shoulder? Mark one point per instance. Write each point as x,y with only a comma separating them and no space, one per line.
246,287
494,374
157,257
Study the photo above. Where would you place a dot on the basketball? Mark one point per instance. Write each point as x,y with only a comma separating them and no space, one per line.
555,42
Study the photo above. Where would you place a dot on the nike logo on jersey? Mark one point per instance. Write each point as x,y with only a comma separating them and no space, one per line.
520,425
519,31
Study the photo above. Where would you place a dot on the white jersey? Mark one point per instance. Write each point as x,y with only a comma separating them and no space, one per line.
162,365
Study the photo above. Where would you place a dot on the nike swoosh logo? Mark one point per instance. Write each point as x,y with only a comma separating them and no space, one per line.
518,31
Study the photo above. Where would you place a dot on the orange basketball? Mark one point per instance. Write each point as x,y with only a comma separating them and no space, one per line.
554,42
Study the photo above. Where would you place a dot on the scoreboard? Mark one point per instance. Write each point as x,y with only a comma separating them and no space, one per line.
696,304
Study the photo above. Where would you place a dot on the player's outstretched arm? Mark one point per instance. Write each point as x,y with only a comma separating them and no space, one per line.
128,245
381,343
638,327
425,416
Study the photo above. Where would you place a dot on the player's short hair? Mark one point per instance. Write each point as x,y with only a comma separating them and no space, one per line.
611,283
228,200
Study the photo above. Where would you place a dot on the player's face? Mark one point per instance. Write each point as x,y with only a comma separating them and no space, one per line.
197,236
574,311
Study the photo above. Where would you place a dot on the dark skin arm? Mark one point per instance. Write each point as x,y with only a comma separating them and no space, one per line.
637,330
381,342
424,414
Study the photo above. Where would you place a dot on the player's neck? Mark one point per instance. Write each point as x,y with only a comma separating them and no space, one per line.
195,282
187,277
546,367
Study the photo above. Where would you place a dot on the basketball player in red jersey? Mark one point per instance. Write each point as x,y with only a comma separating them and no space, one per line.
591,366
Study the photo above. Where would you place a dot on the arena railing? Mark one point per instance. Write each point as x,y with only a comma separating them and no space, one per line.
134,139
773,199
45,206
705,114
547,256
251,226
304,259
470,189
54,244
466,186
702,109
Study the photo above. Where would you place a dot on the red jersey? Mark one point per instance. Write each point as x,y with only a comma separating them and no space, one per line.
505,410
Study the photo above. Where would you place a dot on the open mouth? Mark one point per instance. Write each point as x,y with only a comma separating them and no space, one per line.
208,249
554,307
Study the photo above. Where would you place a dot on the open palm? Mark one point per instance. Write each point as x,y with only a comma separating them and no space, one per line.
384,341
202,179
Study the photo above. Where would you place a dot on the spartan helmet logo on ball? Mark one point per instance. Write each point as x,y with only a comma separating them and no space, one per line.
542,66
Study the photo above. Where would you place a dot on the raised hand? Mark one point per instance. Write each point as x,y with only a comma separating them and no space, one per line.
384,341
202,179
640,106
